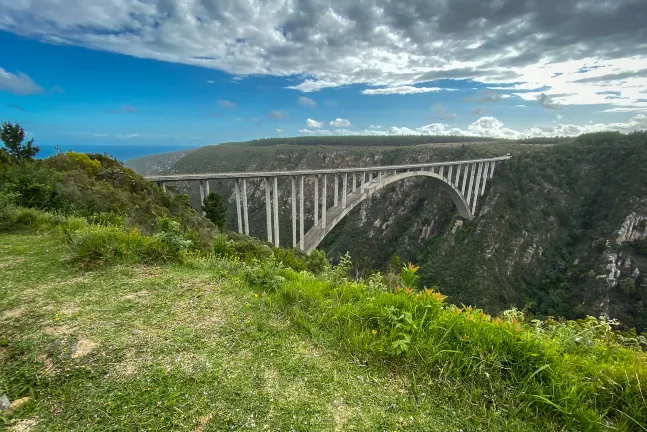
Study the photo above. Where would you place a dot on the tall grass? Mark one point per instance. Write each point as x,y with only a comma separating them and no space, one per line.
581,373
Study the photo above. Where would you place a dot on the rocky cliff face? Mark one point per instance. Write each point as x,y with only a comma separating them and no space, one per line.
561,229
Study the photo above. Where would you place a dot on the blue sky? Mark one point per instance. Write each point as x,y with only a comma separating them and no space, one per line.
155,76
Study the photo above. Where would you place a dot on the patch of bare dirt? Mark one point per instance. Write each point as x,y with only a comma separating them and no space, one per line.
10,262
58,330
82,348
25,425
145,272
202,423
14,313
136,295
46,361
341,413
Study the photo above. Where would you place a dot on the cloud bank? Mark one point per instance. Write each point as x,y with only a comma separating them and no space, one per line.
568,50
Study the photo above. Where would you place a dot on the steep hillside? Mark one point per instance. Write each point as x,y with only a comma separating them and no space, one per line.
156,163
559,231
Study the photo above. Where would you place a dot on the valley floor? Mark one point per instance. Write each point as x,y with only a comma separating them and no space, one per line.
188,347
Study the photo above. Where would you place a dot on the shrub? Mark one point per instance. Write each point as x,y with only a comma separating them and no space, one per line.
317,262
14,219
96,245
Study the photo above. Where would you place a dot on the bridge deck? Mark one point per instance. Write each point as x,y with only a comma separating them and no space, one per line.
240,175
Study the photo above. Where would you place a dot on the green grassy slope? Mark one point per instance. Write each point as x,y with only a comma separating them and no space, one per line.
194,348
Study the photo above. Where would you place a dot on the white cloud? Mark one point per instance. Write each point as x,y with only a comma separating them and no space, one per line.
313,123
19,83
226,104
339,122
211,82
277,114
493,128
570,50
521,106
278,130
306,102
401,90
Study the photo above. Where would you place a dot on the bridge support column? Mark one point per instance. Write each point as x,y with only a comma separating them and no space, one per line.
245,212
238,212
301,241
485,176
442,171
469,188
492,165
354,187
323,202
294,212
276,212
466,172
363,182
344,189
317,199
206,188
449,174
268,209
336,198
458,175
201,193
476,187
164,187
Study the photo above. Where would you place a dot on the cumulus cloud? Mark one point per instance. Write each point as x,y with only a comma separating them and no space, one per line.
313,123
226,104
277,114
340,122
493,128
18,83
307,102
401,90
526,46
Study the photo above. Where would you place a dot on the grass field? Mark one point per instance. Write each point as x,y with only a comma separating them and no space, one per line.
193,347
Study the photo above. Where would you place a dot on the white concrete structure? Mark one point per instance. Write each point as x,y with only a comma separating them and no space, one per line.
477,171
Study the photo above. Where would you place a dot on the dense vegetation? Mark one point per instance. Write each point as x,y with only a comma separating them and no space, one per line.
107,326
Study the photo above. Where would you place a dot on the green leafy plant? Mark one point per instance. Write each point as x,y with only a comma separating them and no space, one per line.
409,276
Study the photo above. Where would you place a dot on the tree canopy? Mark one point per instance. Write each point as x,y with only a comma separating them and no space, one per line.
12,136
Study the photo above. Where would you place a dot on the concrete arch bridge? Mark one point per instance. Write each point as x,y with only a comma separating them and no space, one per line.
464,181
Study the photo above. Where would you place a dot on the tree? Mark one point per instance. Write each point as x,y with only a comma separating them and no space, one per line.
216,210
12,136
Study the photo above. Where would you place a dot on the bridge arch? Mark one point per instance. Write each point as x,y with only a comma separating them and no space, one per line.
335,214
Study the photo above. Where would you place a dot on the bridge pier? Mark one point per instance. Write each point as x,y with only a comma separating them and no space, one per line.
323,203
301,221
345,188
276,211
294,212
238,212
268,209
245,212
